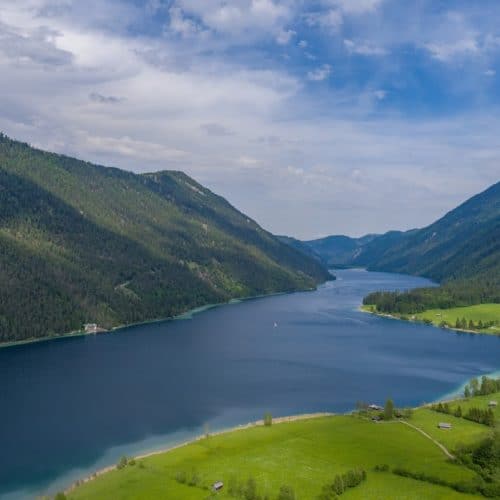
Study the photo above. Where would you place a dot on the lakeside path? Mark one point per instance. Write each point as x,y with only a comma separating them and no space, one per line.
435,441
257,423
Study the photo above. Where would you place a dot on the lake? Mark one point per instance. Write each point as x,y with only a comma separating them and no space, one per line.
71,406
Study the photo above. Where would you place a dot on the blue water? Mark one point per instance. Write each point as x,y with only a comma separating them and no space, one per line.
71,406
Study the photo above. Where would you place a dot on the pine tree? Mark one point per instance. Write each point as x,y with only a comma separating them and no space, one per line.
338,485
389,409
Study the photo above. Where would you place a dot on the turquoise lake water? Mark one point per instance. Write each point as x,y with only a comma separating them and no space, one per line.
69,407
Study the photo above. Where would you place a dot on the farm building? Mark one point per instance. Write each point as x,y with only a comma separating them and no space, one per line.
218,486
444,425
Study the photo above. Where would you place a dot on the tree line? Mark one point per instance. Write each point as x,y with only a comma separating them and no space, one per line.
452,294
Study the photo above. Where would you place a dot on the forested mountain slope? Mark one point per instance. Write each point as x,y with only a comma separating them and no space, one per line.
461,250
339,250
85,243
464,243
303,247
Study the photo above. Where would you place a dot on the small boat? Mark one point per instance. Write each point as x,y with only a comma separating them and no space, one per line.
275,325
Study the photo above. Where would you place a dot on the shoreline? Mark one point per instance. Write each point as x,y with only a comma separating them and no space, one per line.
188,314
450,397
249,425
447,398
451,329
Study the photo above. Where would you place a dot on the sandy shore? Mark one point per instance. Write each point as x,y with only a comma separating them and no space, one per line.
258,423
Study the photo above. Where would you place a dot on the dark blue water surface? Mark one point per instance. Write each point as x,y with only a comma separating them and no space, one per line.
70,406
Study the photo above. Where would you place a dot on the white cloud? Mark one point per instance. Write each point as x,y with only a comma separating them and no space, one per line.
303,44
181,25
356,6
184,101
447,51
320,74
248,161
38,45
490,72
363,48
330,20
132,148
104,99
284,36
216,129
240,18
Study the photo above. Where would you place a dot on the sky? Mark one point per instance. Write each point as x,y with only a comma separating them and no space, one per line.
313,117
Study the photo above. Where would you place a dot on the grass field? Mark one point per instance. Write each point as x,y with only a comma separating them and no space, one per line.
483,312
462,432
304,454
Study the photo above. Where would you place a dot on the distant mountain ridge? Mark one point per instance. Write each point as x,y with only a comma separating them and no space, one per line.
462,244
81,243
339,250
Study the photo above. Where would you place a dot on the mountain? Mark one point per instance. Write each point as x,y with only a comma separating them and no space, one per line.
339,250
464,243
82,243
303,247
461,250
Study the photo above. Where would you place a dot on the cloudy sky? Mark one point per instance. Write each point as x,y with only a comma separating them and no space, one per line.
314,117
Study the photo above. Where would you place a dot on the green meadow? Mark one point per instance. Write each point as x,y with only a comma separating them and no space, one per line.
306,455
481,312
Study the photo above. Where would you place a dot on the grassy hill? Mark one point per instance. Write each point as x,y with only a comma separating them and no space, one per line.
397,455
84,243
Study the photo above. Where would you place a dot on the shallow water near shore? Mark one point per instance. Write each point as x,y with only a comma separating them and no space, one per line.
72,406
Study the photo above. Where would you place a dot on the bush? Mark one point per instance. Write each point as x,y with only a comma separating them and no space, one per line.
485,417
194,480
122,463
250,490
286,493
407,413
268,419
181,477
327,493
234,487
342,482
381,468
473,486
